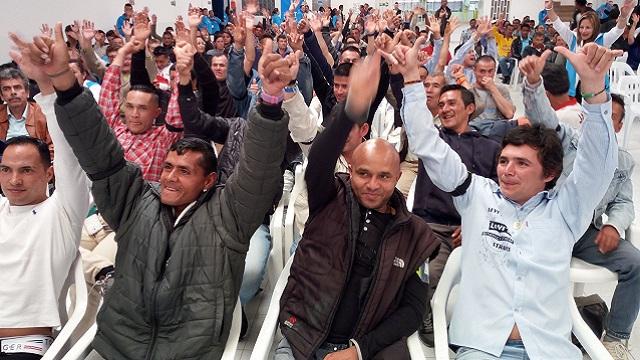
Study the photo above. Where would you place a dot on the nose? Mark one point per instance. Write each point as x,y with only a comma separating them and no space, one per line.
16,179
509,168
372,184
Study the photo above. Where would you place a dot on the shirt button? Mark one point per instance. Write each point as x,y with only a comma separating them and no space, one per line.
365,228
368,221
606,112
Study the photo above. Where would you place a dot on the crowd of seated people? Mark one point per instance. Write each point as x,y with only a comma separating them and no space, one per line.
159,160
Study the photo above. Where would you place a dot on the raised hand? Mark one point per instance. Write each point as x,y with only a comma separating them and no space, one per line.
88,30
457,71
592,64
635,18
627,7
50,57
434,25
532,66
451,26
316,24
275,71
22,57
252,6
405,59
184,60
127,29
363,85
194,19
45,30
142,27
75,30
423,58
484,27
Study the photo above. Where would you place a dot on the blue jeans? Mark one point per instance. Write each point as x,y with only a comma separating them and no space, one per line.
506,66
513,350
255,264
624,261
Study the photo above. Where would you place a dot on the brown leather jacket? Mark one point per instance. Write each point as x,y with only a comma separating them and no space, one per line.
36,124
322,263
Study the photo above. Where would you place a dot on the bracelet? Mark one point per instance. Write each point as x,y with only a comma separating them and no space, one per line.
461,80
412,82
59,73
588,96
270,99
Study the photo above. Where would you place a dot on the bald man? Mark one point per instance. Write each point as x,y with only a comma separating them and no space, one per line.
353,292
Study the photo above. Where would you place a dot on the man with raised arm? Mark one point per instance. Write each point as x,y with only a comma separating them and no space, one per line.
519,233
353,292
182,242
39,234
602,243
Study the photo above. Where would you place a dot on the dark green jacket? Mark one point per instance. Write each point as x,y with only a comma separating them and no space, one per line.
176,286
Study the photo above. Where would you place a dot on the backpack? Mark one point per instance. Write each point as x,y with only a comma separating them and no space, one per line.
594,311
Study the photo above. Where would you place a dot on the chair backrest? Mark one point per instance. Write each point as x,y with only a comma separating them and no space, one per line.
234,334
617,70
412,195
290,218
74,279
629,87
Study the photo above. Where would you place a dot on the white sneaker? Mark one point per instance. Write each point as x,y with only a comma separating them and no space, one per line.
618,350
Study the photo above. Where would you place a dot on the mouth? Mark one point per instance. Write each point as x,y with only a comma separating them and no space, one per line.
448,116
16,191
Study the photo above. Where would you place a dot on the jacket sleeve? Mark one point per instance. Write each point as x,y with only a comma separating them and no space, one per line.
324,153
303,125
305,79
72,185
117,184
402,322
207,84
620,212
237,82
316,53
198,123
252,188
139,75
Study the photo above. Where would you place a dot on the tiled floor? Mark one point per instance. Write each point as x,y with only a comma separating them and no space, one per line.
257,309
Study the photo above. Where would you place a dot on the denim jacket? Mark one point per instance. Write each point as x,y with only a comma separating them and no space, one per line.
617,203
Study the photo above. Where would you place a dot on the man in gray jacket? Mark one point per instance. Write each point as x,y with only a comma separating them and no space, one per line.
182,243
601,244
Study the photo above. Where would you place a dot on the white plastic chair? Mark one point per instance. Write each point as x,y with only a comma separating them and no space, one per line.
75,279
81,347
262,347
276,228
290,218
629,87
412,194
618,69
451,277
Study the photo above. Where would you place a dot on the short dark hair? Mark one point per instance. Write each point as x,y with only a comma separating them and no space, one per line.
161,50
351,48
619,99
128,5
546,142
581,2
282,36
10,73
41,146
486,58
111,48
208,160
467,96
556,79
147,90
265,36
525,25
343,70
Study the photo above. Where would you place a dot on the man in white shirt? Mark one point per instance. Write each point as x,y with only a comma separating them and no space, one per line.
39,234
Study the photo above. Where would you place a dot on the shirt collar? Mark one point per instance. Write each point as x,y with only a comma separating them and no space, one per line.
533,201
24,114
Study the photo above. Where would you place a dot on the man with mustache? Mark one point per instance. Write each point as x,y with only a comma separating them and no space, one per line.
18,116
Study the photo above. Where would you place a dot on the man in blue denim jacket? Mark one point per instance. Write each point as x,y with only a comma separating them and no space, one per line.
601,244
519,233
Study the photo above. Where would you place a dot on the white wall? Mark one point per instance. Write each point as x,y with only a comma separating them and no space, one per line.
26,16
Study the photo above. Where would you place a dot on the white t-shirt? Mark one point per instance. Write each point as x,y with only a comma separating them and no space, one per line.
38,243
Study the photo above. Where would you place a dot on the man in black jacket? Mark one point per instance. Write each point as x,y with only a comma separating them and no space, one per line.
479,154
353,292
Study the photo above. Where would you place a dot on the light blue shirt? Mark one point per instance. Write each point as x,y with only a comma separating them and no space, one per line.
17,126
515,262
